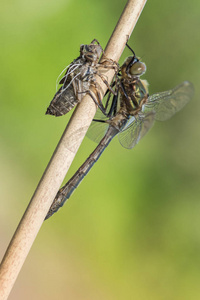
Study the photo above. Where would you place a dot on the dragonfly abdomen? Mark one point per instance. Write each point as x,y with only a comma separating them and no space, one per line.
65,192
63,101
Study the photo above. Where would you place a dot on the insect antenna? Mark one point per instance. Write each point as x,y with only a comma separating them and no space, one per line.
131,50
133,60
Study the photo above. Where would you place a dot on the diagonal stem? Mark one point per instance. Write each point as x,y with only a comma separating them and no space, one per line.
62,158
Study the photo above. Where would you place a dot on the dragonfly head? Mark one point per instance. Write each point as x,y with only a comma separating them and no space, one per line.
91,52
133,67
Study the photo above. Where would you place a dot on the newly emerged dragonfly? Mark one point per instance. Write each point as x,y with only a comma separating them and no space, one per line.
132,113
79,76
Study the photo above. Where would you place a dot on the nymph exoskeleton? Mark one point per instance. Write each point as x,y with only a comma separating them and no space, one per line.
79,77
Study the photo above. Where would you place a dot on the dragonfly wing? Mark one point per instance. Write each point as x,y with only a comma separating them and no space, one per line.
133,133
97,130
166,104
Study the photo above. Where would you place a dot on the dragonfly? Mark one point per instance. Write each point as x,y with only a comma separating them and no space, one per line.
132,113
79,76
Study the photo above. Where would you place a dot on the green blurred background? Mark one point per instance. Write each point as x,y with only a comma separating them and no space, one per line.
132,229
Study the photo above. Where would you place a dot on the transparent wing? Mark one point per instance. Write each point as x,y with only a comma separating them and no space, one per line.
136,129
99,115
166,104
96,131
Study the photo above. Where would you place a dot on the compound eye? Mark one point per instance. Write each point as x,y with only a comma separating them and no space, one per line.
138,68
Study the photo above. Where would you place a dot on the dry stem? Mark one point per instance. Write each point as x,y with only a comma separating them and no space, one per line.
61,160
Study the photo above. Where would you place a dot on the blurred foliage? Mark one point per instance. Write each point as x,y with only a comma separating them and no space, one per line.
132,229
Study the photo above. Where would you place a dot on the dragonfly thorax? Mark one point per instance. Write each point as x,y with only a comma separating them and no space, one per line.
134,95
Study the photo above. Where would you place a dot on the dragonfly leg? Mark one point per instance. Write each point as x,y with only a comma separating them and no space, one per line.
113,108
106,83
111,85
108,99
123,90
95,41
100,121
97,102
109,63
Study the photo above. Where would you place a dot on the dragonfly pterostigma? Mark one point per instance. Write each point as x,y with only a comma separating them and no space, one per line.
79,76
132,113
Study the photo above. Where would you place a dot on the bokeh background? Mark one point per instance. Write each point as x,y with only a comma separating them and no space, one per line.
132,229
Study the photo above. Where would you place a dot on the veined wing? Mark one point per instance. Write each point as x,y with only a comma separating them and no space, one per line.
135,129
166,104
97,130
